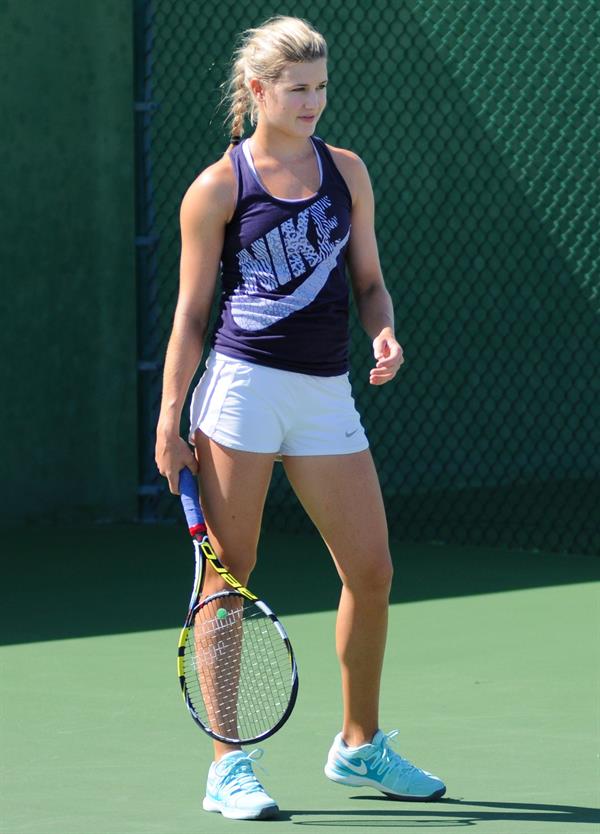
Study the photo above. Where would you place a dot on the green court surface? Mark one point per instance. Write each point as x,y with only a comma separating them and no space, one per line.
491,678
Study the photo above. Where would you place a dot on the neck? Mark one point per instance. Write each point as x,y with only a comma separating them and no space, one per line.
267,141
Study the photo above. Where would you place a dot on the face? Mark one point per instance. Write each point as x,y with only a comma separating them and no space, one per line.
295,101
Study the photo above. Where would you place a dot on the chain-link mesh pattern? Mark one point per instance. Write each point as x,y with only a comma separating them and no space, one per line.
479,125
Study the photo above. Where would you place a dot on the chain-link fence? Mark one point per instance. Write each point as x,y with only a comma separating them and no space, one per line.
479,123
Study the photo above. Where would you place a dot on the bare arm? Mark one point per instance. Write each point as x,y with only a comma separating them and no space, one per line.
205,210
373,301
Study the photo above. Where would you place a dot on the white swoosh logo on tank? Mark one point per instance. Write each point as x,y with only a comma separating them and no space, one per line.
252,312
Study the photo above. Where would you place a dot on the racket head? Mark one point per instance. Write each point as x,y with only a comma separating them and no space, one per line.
236,668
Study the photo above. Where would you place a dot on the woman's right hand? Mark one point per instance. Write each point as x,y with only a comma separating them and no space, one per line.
172,453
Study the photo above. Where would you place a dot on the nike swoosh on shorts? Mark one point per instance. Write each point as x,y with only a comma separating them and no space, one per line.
257,313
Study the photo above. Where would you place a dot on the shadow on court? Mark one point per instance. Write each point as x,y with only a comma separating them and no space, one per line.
79,582
441,815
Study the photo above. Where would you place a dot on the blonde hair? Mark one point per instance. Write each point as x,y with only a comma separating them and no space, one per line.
263,54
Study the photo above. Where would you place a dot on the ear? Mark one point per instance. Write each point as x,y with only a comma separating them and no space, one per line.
257,89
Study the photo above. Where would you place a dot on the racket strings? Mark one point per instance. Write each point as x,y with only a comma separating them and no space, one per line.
237,668
231,675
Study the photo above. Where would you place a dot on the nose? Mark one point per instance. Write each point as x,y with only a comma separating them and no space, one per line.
312,100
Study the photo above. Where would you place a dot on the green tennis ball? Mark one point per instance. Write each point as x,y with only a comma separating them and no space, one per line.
222,612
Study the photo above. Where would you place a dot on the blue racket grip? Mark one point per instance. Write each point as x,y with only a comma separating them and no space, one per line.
188,489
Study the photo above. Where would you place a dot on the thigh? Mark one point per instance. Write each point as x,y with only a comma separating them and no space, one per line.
342,496
233,486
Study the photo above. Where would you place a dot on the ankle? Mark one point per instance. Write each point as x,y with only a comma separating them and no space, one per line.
357,737
223,751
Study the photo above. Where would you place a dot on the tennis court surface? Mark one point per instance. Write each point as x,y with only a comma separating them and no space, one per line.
491,677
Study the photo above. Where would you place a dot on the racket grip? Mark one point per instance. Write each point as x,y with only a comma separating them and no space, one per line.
188,490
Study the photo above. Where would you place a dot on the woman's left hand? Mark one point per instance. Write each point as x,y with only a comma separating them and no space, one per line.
389,357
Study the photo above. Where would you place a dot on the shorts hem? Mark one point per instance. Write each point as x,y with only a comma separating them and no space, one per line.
228,443
324,452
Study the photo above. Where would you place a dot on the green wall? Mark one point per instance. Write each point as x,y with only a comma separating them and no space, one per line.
476,121
68,420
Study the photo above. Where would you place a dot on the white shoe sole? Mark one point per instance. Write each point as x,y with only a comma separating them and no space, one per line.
264,813
363,782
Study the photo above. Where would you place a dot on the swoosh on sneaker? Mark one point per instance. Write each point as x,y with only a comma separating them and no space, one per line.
360,769
251,312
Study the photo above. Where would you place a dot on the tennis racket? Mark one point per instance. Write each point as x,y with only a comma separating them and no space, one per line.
235,662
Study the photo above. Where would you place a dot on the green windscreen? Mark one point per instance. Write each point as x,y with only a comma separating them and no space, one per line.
478,122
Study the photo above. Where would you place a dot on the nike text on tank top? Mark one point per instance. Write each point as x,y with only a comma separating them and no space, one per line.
284,298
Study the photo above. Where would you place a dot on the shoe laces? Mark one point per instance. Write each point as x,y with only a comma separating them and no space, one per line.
384,759
236,773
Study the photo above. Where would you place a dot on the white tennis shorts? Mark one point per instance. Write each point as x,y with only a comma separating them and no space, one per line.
258,409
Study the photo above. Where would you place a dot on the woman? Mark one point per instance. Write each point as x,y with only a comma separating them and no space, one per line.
281,214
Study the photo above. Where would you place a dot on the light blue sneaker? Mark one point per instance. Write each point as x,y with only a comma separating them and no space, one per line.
375,765
233,790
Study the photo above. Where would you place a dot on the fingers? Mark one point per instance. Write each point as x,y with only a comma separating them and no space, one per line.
381,375
172,456
390,357
174,473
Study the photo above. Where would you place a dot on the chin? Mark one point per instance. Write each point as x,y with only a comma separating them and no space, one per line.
307,127
300,131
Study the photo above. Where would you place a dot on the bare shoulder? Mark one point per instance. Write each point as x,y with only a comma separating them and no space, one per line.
212,194
353,170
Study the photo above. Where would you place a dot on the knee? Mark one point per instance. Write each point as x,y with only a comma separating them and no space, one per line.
373,575
382,575
240,562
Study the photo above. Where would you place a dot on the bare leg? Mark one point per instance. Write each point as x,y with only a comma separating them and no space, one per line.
342,496
234,486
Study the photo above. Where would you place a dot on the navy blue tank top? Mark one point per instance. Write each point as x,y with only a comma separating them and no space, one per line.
284,296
